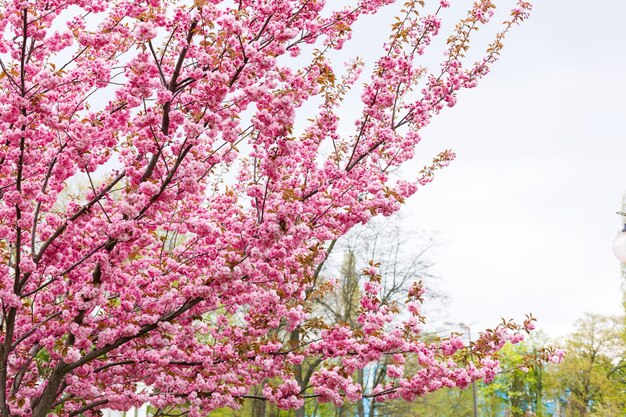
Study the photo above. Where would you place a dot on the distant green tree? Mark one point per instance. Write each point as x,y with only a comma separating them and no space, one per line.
441,403
591,380
517,391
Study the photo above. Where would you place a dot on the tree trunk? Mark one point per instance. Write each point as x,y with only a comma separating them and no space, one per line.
359,405
315,409
294,341
258,406
372,408
49,394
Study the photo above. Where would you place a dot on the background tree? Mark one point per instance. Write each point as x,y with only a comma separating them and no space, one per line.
590,381
518,390
170,280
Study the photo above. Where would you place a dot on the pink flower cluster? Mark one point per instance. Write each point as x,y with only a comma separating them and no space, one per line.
162,217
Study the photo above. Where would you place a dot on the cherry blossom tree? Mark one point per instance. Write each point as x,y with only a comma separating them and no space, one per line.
200,228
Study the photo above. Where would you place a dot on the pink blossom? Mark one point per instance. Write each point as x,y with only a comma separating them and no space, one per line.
166,205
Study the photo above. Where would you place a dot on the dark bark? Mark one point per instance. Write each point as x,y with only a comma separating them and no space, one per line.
258,408
359,405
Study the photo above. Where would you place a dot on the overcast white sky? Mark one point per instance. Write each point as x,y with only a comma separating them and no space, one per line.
526,213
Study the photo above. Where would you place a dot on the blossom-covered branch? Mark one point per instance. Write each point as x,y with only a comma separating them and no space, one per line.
160,220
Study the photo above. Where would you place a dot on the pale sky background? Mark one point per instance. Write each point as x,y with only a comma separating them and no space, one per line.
526,214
